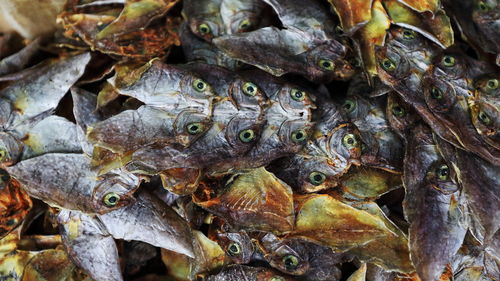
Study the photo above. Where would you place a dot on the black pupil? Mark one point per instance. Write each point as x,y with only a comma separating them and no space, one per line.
250,89
398,110
298,94
491,84
299,136
289,263
435,93
11,222
247,135
233,249
350,140
483,117
317,178
387,64
448,60
200,85
194,128
204,29
348,106
407,33
112,199
327,64
443,172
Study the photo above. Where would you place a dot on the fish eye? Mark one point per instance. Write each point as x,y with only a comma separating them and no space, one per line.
483,6
484,118
195,128
388,65
492,84
409,34
290,262
299,136
111,199
204,29
448,61
234,249
349,105
436,93
443,172
317,178
199,85
244,25
349,141
297,95
250,89
11,222
277,278
247,135
398,111
326,64
3,154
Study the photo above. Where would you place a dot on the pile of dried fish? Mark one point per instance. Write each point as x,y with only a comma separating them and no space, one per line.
266,140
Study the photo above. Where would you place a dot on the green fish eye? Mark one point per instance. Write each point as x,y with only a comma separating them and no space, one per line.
349,105
317,178
234,249
244,25
484,118
247,135
388,65
3,154
195,128
349,141
436,93
448,61
409,34
299,136
250,89
204,28
11,222
483,6
398,111
111,199
297,95
277,278
443,172
326,64
290,262
199,85
492,84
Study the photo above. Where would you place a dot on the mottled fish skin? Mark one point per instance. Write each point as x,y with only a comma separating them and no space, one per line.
478,21
334,147
19,60
402,63
89,192
237,245
301,258
14,204
89,245
381,147
480,181
197,50
306,46
486,17
485,108
150,220
433,205
31,95
209,19
252,201
172,102
242,272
